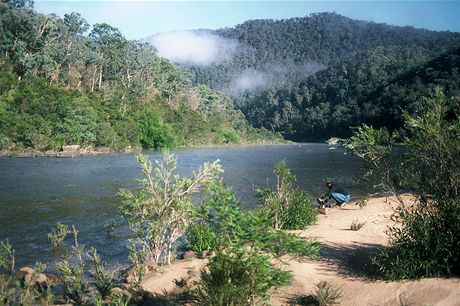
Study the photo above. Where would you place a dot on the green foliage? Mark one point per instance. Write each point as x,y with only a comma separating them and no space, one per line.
160,212
336,73
109,226
228,136
426,242
233,226
287,207
104,92
154,134
7,259
13,291
201,237
72,273
238,277
58,234
104,278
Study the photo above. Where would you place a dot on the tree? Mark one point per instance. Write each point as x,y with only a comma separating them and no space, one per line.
161,211
426,162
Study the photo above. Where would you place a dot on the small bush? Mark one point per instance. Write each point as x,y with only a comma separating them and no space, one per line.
238,277
327,294
7,258
72,274
287,207
301,212
229,136
58,234
201,237
109,226
363,201
103,277
356,225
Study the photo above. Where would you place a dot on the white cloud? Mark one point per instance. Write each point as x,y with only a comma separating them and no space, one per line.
194,47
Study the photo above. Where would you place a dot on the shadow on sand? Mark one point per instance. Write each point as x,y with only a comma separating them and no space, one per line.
351,260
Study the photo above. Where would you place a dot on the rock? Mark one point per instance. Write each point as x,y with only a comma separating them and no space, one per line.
120,291
87,150
69,151
51,153
39,279
189,255
4,153
71,148
99,150
128,149
23,272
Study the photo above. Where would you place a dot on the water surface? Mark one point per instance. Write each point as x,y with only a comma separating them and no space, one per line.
36,193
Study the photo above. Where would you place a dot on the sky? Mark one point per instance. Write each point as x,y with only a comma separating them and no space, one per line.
140,19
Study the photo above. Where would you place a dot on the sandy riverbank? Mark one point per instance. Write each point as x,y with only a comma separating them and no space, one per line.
343,261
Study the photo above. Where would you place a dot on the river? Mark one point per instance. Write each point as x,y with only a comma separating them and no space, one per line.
36,193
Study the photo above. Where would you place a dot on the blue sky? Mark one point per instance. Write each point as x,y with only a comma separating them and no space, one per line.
139,19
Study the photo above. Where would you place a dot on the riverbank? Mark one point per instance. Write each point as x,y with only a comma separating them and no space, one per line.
77,150
344,262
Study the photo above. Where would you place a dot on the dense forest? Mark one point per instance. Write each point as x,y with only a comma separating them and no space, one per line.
332,72
64,82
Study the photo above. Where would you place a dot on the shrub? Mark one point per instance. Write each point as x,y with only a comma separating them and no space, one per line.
161,211
58,234
72,273
287,207
238,277
201,237
356,225
103,277
7,258
228,136
233,226
426,162
327,294
301,212
363,201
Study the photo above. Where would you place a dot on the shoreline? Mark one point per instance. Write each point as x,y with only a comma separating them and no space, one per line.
71,151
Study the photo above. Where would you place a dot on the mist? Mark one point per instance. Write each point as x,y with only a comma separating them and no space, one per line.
269,76
200,48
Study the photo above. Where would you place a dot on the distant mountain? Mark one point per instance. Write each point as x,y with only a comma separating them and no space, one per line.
309,78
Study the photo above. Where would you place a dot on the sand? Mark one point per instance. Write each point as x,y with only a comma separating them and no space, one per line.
343,262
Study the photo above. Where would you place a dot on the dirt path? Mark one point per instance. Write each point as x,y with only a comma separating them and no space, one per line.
344,262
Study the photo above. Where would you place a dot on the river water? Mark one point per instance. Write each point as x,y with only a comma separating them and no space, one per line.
36,193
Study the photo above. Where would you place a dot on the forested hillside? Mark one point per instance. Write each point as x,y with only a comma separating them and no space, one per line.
329,72
64,82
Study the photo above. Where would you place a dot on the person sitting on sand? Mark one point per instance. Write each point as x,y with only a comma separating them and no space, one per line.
336,192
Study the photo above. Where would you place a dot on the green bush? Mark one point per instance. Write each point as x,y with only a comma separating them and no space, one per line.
233,226
238,277
287,207
153,133
58,234
228,136
201,237
426,243
300,213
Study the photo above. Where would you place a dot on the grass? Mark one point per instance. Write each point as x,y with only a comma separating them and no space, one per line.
356,225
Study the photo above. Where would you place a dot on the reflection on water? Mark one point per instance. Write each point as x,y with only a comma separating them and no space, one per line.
36,193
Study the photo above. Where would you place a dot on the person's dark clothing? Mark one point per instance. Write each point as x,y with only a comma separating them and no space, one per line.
336,192
337,189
